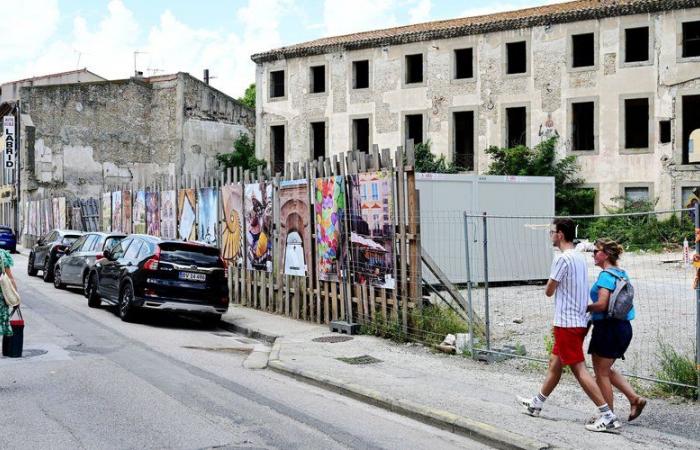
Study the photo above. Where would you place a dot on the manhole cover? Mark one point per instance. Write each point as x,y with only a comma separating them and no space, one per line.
358,360
31,352
332,339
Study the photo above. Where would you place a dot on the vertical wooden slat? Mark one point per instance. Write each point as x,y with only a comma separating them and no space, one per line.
334,300
402,240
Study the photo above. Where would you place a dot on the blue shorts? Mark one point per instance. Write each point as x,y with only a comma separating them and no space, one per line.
610,338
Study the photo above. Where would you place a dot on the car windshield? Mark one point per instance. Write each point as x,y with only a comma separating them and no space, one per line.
190,255
112,241
67,240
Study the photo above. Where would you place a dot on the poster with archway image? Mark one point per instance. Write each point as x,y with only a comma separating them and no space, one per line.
258,214
232,229
139,212
62,212
295,227
207,215
126,212
186,210
371,228
168,219
117,211
152,214
329,207
106,212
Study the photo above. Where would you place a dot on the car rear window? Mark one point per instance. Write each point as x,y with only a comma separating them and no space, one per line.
188,254
69,239
110,242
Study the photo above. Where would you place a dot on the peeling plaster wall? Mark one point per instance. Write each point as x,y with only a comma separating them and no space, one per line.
547,89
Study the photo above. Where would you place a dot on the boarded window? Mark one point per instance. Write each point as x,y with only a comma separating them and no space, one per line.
360,74
583,126
516,126
691,39
516,57
318,79
414,68
463,139
277,83
360,135
691,122
464,63
637,194
318,139
583,50
637,44
637,123
664,131
414,128
277,144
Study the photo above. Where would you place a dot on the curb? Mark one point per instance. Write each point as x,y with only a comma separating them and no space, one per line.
479,431
249,332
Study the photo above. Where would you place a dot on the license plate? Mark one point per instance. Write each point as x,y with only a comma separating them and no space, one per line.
192,276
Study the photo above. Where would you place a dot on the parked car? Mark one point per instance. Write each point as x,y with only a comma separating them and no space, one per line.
145,272
8,239
74,266
48,249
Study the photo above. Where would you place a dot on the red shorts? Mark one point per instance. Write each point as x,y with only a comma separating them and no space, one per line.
568,344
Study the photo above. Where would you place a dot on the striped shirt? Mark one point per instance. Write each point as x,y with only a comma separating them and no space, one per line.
571,296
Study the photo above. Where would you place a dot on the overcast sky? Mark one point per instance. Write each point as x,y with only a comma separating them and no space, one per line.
48,36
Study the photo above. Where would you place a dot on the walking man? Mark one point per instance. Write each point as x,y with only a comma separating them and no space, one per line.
568,282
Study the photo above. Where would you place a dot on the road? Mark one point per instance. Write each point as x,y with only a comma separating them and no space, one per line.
90,381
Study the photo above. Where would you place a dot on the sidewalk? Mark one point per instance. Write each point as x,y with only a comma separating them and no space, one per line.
457,393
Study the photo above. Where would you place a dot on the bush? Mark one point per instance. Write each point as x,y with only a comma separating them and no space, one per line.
427,162
676,368
243,155
431,324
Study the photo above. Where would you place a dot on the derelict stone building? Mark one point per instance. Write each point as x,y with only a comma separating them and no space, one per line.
617,81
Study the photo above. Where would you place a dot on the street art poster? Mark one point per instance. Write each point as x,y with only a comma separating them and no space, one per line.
117,211
152,214
139,212
126,212
258,213
207,214
168,219
56,218
25,216
106,212
31,221
48,215
76,218
232,230
295,227
62,223
329,207
372,229
186,207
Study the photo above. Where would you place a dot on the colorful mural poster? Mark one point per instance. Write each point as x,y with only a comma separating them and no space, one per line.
139,212
48,215
76,218
126,212
117,211
25,218
329,207
258,213
62,223
31,221
55,219
207,215
295,227
372,229
152,214
106,212
186,209
232,230
168,219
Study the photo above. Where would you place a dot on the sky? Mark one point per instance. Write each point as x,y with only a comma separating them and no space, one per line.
114,37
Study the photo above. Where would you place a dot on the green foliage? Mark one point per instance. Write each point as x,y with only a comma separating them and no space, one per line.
676,368
433,323
248,98
548,343
427,162
243,155
384,328
541,161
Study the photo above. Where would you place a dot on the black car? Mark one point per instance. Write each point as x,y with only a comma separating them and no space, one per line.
74,266
8,239
144,272
48,249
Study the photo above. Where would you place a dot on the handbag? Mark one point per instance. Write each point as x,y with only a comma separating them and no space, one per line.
8,289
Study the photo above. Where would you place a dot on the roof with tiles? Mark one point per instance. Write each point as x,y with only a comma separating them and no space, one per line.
524,18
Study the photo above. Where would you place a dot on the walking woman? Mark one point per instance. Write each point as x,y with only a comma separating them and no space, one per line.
5,311
610,337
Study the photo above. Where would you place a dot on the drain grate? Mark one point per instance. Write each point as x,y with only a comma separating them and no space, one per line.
359,360
332,339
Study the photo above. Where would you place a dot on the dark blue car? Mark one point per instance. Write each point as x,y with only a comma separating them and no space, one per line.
8,240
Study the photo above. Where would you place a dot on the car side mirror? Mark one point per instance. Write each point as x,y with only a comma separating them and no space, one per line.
40,242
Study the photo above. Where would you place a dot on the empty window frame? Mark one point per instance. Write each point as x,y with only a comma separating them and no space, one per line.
413,128
583,50
277,145
318,79
637,44
516,57
360,134
277,83
463,139
318,139
636,123
637,194
464,63
516,126
687,195
690,122
414,68
360,74
583,126
691,39
664,131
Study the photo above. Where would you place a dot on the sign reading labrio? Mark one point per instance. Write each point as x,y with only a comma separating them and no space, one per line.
10,152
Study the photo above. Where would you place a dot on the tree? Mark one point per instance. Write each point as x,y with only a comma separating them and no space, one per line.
427,162
243,155
248,98
570,198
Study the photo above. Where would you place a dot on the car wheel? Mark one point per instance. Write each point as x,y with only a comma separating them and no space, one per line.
86,286
127,310
48,270
211,320
93,297
57,283
31,270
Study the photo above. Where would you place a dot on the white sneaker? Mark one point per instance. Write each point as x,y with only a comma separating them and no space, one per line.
530,410
601,425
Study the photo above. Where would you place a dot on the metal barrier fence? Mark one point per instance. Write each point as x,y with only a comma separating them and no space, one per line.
500,265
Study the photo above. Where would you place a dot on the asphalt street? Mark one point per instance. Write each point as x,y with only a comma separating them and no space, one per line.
89,380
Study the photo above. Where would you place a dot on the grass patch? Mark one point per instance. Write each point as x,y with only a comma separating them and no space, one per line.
677,368
433,323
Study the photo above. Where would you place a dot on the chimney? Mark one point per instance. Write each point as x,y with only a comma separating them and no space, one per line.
206,76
